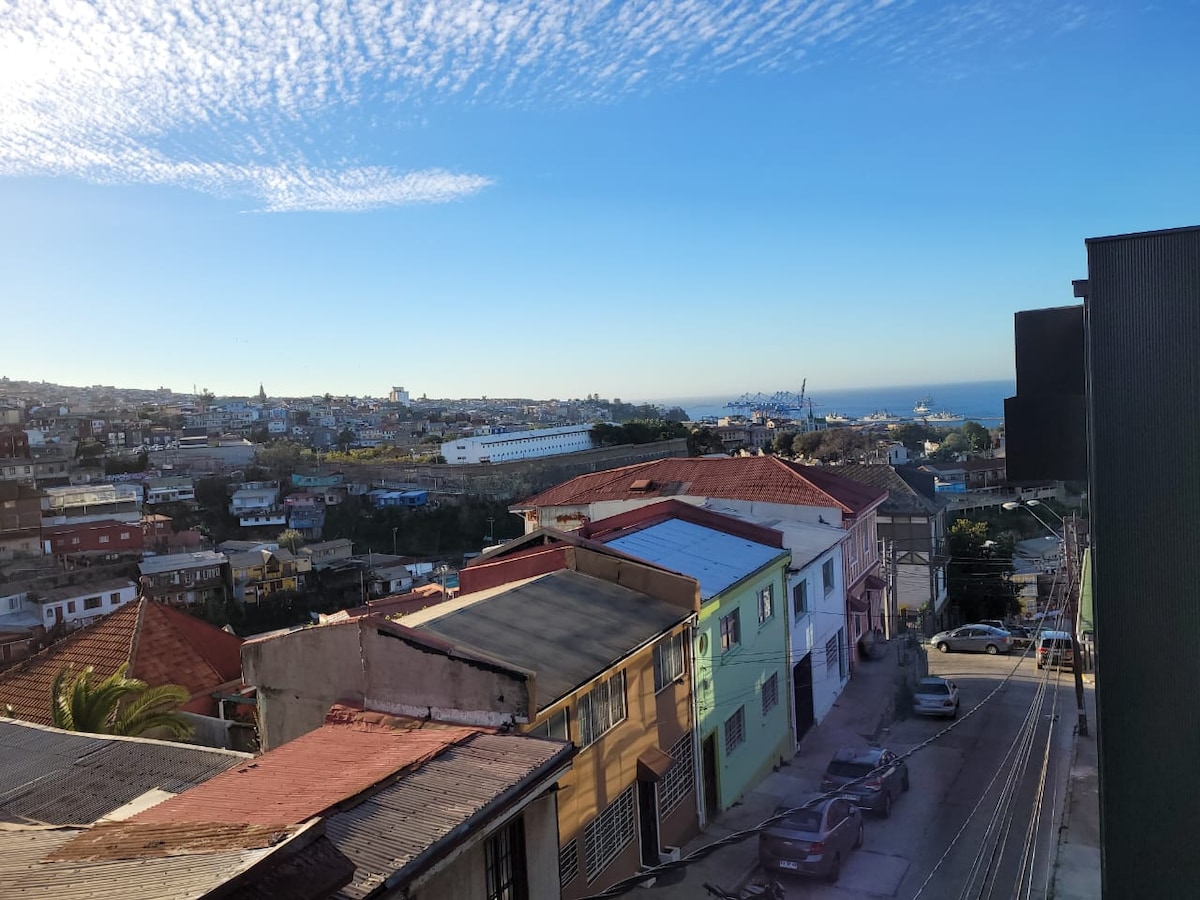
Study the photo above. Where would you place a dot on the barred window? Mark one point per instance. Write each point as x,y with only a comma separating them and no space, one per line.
735,730
831,653
766,603
668,660
601,708
609,833
568,862
678,784
504,855
770,693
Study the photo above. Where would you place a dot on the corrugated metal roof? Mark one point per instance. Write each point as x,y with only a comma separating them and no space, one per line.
154,565
25,873
62,778
331,764
584,625
805,540
389,832
716,559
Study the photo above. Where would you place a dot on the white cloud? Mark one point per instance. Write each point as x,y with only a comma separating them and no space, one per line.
236,96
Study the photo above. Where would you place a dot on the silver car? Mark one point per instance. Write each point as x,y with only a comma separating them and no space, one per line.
936,697
811,841
973,639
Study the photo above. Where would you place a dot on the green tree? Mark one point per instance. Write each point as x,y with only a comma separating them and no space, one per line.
977,437
703,441
345,438
116,705
978,576
291,539
952,445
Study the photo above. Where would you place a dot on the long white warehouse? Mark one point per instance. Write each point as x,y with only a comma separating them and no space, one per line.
496,448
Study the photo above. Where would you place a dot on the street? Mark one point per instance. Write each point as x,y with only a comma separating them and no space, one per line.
988,773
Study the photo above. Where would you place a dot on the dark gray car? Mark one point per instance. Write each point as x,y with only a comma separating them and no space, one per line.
973,639
811,841
870,777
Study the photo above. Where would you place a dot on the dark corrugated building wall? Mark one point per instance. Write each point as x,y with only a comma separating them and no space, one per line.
1143,343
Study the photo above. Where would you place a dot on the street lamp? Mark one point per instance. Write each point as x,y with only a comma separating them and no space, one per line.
1027,506
394,527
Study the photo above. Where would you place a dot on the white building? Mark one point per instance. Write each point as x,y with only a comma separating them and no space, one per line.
169,490
496,448
91,503
79,605
257,503
398,395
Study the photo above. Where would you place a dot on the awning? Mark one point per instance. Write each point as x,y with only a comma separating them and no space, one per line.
653,764
875,583
857,600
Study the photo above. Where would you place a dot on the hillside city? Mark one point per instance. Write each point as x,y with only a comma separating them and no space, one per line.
600,634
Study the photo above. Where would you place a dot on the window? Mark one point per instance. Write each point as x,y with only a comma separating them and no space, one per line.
735,730
766,603
731,630
124,535
74,540
557,726
842,661
827,575
608,834
114,599
504,856
770,693
800,598
93,603
601,708
677,785
70,606
568,863
104,538
14,602
668,661
831,652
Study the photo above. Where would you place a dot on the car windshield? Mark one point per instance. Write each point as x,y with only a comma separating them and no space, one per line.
841,769
933,687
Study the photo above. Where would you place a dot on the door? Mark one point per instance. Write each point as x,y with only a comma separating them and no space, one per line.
802,695
648,822
708,753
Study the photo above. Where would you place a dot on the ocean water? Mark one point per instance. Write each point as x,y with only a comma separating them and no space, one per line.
978,401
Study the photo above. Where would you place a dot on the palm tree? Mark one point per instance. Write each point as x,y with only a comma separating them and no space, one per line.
116,705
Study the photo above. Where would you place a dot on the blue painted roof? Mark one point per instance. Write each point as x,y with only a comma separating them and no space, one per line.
715,559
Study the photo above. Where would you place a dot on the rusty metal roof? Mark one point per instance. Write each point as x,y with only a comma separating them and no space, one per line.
307,776
63,778
399,831
28,870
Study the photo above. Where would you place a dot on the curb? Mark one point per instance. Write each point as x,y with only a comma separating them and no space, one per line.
1064,820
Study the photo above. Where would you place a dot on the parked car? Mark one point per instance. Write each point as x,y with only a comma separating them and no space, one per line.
973,639
1055,649
811,841
870,777
1022,637
936,697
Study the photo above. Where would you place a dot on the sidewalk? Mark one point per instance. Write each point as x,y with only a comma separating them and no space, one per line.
1077,863
861,714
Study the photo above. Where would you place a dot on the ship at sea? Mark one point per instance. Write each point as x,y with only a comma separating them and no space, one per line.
836,418
923,406
879,417
944,416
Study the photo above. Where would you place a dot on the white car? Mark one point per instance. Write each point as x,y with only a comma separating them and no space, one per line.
936,697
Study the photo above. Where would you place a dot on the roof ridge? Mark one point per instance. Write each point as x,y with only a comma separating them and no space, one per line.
168,615
137,630
794,469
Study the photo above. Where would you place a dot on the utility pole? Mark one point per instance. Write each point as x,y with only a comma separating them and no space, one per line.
1070,540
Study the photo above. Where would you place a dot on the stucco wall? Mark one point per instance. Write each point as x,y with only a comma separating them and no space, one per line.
301,674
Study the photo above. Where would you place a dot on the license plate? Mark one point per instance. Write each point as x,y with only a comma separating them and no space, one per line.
788,864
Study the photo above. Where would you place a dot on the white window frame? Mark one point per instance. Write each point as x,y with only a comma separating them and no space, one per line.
670,660
766,604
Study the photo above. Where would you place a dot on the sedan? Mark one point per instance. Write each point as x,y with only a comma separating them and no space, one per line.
812,840
973,639
869,777
936,697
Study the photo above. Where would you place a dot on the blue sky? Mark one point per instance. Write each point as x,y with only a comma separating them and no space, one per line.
652,199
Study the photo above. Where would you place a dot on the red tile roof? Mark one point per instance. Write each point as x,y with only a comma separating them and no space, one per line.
765,479
338,761
162,646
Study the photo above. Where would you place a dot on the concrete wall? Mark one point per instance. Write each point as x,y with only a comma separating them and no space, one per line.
301,674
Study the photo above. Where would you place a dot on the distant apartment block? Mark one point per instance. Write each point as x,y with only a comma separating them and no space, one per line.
169,490
20,520
495,448
92,503
185,579
398,395
103,536
256,503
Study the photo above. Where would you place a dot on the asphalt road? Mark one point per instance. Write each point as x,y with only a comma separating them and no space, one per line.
923,849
